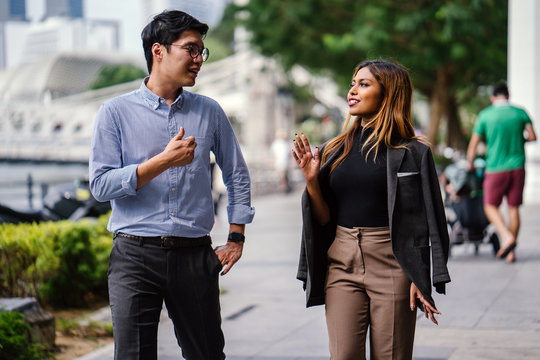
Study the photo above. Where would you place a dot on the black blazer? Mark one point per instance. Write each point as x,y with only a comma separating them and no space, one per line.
416,217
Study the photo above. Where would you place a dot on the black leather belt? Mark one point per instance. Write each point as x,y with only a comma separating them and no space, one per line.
169,242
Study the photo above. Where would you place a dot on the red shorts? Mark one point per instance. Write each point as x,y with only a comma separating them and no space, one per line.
504,183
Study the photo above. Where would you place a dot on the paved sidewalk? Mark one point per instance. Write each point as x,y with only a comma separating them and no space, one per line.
491,311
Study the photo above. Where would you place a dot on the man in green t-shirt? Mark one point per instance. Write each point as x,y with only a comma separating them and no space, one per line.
503,127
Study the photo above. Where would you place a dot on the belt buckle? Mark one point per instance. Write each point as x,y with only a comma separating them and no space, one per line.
167,242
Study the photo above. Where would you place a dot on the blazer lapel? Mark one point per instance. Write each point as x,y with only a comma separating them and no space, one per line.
395,158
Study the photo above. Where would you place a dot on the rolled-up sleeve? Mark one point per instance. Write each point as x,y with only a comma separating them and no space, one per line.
108,178
240,214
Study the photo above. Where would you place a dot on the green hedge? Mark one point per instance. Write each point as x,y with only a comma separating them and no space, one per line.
15,341
59,263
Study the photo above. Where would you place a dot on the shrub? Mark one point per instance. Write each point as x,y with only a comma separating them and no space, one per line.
15,343
26,257
74,275
58,263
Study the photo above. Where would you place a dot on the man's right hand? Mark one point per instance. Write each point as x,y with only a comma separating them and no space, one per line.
179,151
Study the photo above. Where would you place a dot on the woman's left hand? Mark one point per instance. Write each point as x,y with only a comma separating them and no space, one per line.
429,310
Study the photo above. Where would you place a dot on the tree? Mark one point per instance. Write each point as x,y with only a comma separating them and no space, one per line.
450,47
219,40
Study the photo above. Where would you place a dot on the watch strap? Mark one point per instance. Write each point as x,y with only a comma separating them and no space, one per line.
236,237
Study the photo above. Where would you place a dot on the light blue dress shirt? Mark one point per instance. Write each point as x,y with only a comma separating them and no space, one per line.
134,127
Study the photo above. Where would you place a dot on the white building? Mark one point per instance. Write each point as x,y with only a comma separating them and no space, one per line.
26,41
133,15
524,79
85,25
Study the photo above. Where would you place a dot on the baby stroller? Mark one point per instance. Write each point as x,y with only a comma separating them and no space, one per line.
467,222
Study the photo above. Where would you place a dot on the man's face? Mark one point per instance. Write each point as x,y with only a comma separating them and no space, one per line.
178,64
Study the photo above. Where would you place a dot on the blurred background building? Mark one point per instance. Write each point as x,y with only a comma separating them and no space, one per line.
12,10
52,52
54,49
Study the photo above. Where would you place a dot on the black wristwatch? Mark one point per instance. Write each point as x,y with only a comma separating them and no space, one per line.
236,237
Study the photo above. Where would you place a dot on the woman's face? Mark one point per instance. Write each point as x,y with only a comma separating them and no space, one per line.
365,94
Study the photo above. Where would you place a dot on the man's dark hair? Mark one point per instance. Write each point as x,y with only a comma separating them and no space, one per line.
165,28
500,89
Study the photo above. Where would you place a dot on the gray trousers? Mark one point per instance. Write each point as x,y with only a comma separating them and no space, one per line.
141,277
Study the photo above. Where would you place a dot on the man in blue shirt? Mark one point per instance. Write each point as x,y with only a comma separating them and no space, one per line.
150,157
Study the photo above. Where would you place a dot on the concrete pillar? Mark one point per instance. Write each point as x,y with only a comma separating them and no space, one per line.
2,45
524,79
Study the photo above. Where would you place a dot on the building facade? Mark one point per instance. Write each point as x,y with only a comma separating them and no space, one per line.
64,8
524,79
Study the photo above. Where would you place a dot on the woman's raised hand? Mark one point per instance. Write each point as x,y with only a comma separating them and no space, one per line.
308,162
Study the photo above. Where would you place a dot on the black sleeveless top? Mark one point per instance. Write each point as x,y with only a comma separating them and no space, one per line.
359,186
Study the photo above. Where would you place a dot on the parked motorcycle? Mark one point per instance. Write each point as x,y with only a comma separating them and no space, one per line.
69,201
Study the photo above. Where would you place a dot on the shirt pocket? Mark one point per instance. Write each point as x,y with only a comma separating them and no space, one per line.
201,160
410,191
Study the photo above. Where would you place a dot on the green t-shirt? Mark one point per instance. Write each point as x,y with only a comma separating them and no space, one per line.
502,125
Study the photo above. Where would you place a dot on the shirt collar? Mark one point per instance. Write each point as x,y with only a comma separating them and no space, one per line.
155,101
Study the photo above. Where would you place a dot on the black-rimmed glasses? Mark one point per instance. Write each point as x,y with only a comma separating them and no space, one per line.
195,51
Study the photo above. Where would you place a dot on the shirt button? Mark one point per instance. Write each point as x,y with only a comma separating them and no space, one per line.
173,189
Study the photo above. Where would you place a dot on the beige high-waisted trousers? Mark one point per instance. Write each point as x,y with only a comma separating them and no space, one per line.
366,287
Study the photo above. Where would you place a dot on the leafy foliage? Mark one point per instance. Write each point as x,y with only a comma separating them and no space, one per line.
15,342
219,40
450,47
218,49
59,263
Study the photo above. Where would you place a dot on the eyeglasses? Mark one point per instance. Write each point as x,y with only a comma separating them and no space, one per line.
195,51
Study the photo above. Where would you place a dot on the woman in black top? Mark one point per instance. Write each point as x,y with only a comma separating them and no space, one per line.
372,219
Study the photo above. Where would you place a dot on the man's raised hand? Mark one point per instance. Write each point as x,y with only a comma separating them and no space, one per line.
179,151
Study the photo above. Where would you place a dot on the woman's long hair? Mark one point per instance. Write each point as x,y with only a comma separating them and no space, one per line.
391,123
